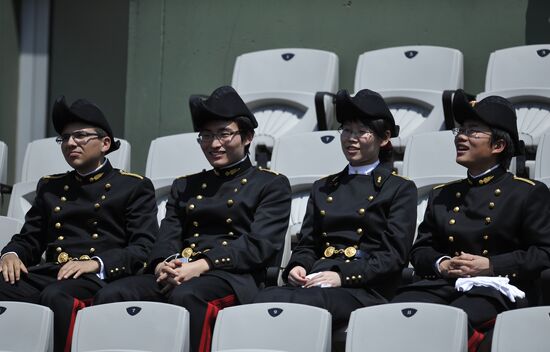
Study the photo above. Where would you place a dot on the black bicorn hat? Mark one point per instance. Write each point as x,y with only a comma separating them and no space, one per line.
365,105
495,111
81,111
223,104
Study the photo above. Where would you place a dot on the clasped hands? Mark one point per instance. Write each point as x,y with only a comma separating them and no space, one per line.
465,265
175,272
297,277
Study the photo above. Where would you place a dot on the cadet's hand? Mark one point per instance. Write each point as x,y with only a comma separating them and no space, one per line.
75,268
469,265
165,270
297,276
11,267
331,278
187,271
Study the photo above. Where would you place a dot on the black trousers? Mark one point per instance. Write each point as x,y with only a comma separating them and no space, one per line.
340,302
63,297
202,296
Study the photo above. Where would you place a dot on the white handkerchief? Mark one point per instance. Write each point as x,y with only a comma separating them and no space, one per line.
498,283
320,284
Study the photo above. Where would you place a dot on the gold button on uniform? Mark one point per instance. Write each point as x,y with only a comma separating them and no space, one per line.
57,209
486,237
66,187
61,238
58,249
230,202
359,231
324,234
95,236
97,206
103,197
63,199
361,211
488,220
458,194
456,209
323,213
452,222
370,198
107,186
451,239
498,192
329,199
57,225
491,205
244,181
224,243
191,206
193,245
485,252
199,197
228,221
230,233
203,186
92,250
196,235
195,223
216,261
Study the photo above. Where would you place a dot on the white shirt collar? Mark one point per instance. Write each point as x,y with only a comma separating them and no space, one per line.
363,169
485,172
91,172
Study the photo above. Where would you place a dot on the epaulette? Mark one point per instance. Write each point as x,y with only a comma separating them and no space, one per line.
448,183
122,172
526,180
268,170
394,173
55,176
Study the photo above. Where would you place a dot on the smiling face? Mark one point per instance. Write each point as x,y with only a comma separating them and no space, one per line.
360,144
86,152
222,144
474,149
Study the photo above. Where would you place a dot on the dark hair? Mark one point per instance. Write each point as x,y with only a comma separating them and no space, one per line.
245,129
101,133
379,127
506,155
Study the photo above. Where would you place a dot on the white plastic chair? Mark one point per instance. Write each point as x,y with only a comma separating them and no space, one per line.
131,326
279,87
397,327
3,162
25,327
523,329
286,327
542,160
8,228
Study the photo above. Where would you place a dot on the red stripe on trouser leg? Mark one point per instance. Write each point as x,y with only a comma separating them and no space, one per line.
77,305
210,318
475,340
489,324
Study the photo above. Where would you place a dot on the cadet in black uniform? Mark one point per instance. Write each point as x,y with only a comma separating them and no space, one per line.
222,226
96,224
359,224
491,223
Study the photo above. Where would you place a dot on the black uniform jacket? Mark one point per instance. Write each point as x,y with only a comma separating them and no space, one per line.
361,226
110,214
500,216
235,218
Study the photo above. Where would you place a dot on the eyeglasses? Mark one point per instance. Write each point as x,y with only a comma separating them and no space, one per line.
223,137
348,132
469,132
79,137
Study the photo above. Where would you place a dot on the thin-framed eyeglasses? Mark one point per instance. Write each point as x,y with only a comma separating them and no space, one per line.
348,132
79,137
223,137
469,132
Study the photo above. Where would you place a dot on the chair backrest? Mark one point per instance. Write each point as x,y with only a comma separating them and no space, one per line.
173,156
410,67
132,326
288,69
398,327
26,327
542,159
273,326
523,329
430,160
310,155
519,67
43,157
8,228
3,162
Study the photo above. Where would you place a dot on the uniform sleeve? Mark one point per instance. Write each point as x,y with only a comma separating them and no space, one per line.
31,242
395,243
304,254
426,249
533,253
141,229
170,239
252,251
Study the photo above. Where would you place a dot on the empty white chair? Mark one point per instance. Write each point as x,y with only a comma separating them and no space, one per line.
131,326
8,228
274,327
542,160
170,157
398,327
411,79
305,158
43,157
25,327
522,330
279,87
3,162
519,74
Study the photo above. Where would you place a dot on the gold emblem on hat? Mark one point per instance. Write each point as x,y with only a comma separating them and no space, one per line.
62,258
187,252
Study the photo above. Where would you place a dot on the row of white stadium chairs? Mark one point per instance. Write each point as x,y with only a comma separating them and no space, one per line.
150,326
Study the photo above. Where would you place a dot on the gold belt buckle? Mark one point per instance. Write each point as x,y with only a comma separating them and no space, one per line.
329,251
350,252
187,252
62,258
84,257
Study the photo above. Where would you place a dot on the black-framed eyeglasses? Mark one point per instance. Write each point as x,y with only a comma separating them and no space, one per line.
223,137
79,137
348,132
469,132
